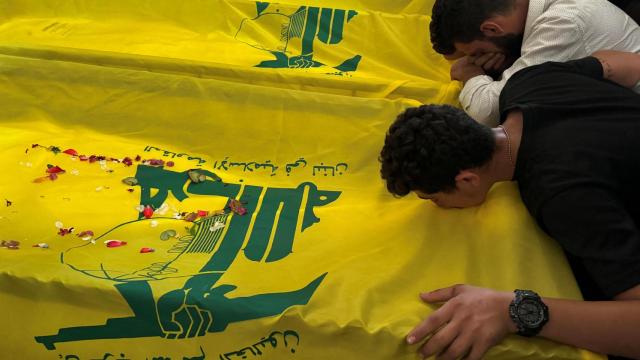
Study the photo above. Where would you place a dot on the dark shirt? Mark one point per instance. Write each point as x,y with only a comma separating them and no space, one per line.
578,168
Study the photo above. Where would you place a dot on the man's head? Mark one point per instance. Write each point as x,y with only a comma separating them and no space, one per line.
477,27
438,152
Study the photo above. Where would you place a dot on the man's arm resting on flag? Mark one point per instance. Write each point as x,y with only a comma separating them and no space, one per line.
472,320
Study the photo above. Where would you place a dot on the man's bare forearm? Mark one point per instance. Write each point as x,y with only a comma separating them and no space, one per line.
608,327
620,67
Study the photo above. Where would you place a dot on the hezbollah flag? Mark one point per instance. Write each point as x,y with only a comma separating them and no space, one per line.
199,180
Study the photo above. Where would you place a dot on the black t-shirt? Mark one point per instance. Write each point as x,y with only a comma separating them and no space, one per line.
578,168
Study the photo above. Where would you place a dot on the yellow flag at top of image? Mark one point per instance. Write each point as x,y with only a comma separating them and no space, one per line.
199,180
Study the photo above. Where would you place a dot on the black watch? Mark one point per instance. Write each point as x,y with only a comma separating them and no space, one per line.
528,312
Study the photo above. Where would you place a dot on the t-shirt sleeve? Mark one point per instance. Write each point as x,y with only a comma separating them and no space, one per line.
594,227
589,66
555,84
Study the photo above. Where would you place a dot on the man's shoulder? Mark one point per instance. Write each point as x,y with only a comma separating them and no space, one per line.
577,12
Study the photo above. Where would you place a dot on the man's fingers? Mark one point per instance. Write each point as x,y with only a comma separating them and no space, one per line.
442,295
429,325
492,64
459,348
482,59
440,340
477,351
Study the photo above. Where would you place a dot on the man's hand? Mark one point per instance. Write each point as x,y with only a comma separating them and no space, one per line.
470,321
471,66
464,69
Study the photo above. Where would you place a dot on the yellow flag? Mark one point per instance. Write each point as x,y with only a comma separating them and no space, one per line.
199,180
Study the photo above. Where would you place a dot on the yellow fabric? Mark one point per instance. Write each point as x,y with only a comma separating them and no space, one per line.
325,264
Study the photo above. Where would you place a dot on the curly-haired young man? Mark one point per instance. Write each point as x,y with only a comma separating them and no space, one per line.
496,38
569,136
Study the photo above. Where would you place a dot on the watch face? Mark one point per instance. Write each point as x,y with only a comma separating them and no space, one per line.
530,313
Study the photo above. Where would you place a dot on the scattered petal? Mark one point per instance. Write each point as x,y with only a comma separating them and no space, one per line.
63,231
127,161
217,226
115,243
42,245
86,235
140,208
154,162
153,223
130,190
71,152
196,177
167,234
162,209
59,224
131,181
147,212
177,216
145,250
191,217
237,207
53,169
11,244
170,163
138,158
202,213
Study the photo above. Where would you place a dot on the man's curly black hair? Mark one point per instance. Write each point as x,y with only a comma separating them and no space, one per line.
460,20
427,147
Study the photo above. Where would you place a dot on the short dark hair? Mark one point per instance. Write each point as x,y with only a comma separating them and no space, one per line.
460,20
427,147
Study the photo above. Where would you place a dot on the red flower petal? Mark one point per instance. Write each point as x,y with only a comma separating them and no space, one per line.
71,152
85,233
202,213
63,232
147,212
51,169
116,243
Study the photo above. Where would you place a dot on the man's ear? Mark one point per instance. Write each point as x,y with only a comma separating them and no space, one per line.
492,28
467,179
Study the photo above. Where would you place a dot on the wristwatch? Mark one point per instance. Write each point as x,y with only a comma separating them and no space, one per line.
528,312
